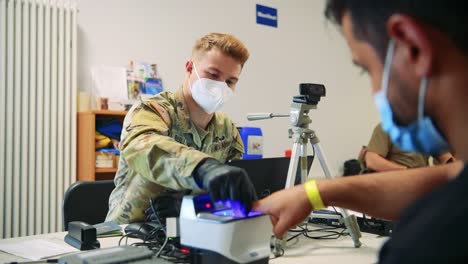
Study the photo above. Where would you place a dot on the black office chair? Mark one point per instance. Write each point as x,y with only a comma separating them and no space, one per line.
87,201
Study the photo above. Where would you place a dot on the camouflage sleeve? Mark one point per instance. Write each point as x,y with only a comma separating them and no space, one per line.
380,142
238,147
149,150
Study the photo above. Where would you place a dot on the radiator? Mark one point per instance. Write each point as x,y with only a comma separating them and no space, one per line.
38,94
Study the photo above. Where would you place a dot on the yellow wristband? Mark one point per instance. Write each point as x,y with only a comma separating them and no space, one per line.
314,195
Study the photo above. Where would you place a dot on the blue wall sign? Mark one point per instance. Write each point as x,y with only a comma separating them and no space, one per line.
267,16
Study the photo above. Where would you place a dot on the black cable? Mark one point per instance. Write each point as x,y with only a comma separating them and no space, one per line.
333,234
296,235
120,240
158,219
301,229
337,211
157,241
330,232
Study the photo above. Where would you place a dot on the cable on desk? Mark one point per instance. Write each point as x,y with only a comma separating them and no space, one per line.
163,246
330,232
299,230
157,240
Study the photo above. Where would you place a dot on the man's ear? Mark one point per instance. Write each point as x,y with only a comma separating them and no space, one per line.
413,38
189,66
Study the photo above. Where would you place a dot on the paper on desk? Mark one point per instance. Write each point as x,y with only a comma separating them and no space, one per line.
36,249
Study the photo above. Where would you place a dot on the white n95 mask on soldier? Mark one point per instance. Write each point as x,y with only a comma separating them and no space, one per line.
209,94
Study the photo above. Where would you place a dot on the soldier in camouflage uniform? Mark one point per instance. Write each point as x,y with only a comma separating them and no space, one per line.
169,139
382,155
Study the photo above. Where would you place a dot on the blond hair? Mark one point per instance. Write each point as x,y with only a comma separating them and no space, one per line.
228,44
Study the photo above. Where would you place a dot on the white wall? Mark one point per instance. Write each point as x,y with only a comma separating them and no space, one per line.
304,48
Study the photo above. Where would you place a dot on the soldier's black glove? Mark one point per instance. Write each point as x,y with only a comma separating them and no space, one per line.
225,182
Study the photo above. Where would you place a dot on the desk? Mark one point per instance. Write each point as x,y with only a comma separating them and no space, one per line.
298,251
339,251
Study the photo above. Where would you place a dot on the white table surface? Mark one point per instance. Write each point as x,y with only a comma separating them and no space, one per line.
302,250
339,251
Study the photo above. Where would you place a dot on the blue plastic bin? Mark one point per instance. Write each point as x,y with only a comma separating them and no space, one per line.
252,138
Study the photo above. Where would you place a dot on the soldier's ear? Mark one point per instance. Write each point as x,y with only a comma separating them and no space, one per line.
189,66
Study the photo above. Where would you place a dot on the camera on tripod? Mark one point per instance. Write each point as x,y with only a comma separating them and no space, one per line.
309,93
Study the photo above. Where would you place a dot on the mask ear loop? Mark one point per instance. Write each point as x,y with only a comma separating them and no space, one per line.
196,73
387,66
386,78
422,95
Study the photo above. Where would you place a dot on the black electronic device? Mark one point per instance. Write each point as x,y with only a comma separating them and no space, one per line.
375,226
268,175
310,93
143,230
351,167
366,224
124,254
82,236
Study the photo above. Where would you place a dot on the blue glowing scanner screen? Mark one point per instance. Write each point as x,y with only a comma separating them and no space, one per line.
229,208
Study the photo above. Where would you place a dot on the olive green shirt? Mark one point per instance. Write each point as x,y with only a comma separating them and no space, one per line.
160,148
381,144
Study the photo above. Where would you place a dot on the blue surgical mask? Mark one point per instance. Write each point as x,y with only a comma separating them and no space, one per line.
419,136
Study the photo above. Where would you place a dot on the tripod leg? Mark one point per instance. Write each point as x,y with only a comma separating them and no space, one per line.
303,163
292,170
299,152
349,220
323,161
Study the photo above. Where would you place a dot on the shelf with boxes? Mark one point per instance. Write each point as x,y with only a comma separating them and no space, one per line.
93,165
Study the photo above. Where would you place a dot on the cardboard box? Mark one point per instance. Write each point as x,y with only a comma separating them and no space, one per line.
105,160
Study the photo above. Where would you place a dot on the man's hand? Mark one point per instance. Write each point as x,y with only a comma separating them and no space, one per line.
286,208
225,182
